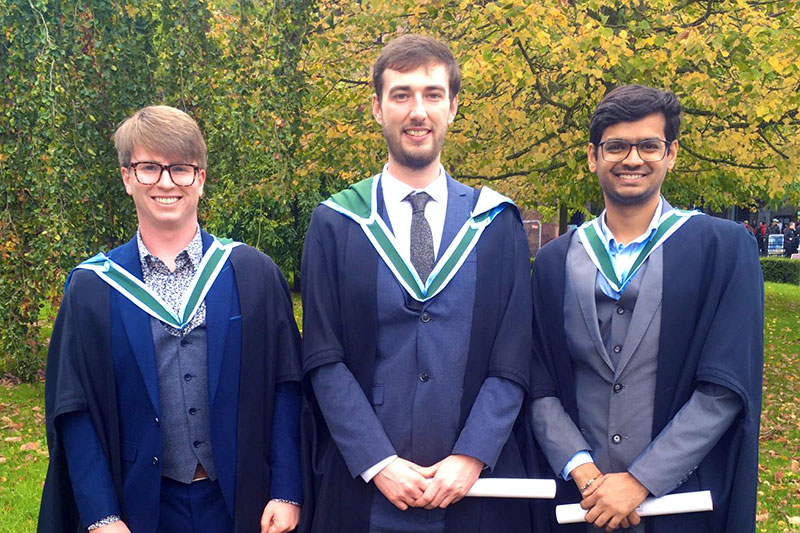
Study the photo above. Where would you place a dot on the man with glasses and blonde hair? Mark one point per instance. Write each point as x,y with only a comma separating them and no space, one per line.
172,401
647,332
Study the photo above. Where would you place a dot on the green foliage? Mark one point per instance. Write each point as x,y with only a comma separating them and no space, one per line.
281,90
533,72
73,70
781,270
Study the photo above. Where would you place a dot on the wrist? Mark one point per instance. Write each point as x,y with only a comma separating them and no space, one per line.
583,473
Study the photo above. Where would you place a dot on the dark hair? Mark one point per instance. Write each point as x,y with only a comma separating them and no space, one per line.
634,102
409,52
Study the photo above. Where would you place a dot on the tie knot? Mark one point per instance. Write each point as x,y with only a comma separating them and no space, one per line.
418,201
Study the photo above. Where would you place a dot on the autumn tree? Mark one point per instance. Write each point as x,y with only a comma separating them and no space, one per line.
533,72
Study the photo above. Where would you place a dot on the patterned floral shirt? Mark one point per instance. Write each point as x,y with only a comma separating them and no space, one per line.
171,286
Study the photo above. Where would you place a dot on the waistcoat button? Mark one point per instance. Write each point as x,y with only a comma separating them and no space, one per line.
616,439
424,377
425,317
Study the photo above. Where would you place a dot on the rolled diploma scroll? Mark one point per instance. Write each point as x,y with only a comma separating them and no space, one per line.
513,488
684,502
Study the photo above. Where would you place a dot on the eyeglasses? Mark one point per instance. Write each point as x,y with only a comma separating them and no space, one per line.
649,150
149,172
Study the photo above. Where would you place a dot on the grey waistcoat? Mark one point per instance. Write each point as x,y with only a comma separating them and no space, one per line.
615,364
183,389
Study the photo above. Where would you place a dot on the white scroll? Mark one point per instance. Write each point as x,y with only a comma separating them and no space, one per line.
685,502
513,488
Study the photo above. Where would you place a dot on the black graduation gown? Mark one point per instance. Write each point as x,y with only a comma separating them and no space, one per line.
344,267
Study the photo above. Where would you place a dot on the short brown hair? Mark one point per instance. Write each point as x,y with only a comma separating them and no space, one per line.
162,130
411,51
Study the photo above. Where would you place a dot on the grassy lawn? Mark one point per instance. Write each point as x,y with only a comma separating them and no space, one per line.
23,455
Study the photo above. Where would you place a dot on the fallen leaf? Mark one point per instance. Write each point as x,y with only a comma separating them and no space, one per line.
13,439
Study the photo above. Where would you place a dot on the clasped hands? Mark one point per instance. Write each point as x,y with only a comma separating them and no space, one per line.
611,499
407,484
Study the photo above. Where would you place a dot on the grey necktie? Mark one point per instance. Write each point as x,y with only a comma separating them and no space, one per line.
421,235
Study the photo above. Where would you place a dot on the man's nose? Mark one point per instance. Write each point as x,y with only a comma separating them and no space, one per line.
418,110
632,159
164,182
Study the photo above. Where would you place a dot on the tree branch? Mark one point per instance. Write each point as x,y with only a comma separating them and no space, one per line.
513,174
721,161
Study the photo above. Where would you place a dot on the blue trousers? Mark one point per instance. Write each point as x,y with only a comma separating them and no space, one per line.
386,518
195,508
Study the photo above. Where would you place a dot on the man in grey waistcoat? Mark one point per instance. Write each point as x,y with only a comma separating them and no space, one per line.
648,337
415,297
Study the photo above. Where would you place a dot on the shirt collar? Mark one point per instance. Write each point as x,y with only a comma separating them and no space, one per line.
395,191
611,243
193,251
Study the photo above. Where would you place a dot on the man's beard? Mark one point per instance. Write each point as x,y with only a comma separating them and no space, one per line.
414,159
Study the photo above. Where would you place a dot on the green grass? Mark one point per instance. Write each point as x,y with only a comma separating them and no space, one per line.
23,456
779,471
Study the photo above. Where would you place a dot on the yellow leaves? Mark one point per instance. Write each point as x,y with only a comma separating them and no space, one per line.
780,63
131,10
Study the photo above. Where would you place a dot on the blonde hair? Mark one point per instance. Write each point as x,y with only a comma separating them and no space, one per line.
163,130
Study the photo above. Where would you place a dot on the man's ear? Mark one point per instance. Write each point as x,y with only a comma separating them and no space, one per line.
376,109
672,155
127,176
591,157
453,110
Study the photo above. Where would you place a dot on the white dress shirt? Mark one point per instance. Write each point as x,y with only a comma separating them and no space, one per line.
399,211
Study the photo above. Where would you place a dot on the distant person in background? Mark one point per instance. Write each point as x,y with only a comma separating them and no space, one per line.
790,240
761,236
774,228
748,227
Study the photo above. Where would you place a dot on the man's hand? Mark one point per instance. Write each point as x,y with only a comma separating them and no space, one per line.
115,527
279,517
401,482
611,503
453,476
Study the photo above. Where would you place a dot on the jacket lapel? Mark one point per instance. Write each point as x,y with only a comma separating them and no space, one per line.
137,324
584,278
459,206
647,303
217,321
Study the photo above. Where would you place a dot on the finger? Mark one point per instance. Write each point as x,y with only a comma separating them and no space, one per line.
425,471
400,504
266,520
634,518
427,496
592,515
624,524
589,502
602,520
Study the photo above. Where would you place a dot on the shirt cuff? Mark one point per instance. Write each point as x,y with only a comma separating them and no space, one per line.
372,471
580,458
103,522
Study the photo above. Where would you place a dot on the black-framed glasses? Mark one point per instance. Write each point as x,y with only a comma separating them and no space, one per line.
149,172
650,150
